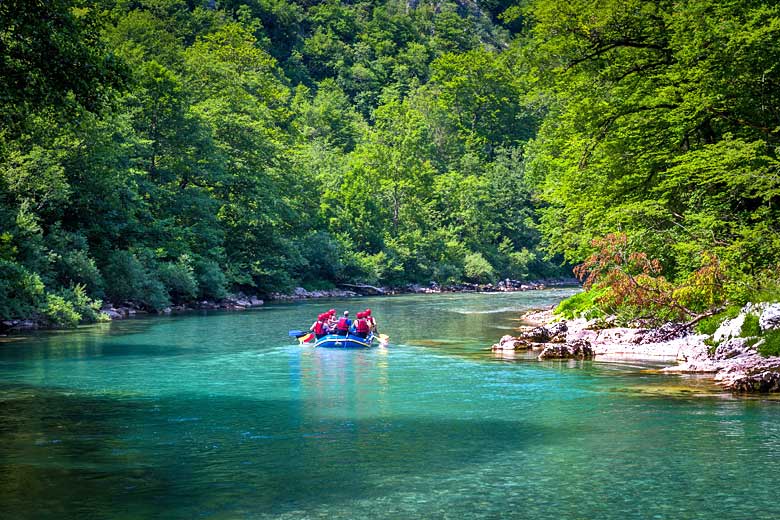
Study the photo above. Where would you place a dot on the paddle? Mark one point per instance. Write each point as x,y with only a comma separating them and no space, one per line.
296,333
383,338
305,338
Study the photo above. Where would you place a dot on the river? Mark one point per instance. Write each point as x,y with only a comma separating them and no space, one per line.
221,416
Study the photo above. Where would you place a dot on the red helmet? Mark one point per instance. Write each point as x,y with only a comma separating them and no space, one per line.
368,312
322,317
332,312
361,315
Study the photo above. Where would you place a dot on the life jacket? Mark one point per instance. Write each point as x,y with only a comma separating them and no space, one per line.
343,324
319,328
361,326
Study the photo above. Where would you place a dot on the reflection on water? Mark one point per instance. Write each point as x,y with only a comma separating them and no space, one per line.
221,416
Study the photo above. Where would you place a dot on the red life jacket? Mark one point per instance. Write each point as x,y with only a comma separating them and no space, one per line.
362,326
343,324
319,328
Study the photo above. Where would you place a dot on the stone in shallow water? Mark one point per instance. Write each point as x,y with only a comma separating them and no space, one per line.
508,342
536,335
577,349
764,382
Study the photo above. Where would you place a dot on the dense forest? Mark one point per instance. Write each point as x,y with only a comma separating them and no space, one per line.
162,151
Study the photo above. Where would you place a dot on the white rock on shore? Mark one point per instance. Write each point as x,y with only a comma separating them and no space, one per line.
735,363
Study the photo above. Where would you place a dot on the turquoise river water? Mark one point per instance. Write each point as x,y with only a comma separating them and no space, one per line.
221,416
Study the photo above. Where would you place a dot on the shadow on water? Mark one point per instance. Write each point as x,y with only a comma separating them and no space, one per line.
70,455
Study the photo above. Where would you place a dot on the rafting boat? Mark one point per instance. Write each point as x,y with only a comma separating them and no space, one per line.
349,341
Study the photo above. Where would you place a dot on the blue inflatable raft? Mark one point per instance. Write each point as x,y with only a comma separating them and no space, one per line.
349,341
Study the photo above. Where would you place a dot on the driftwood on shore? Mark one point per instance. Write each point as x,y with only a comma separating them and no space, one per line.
363,289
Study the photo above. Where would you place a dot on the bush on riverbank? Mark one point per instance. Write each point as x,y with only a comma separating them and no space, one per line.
626,283
629,284
582,305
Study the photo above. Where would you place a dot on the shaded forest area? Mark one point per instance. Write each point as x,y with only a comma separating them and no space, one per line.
163,151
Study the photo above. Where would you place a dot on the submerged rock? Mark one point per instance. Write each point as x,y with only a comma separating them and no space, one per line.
763,382
112,313
510,343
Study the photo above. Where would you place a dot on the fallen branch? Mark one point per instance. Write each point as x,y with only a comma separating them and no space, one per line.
675,331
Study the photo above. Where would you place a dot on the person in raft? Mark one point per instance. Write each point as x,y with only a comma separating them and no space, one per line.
362,327
320,327
332,320
342,326
371,320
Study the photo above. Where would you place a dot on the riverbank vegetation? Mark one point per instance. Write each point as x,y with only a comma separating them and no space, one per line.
660,164
163,151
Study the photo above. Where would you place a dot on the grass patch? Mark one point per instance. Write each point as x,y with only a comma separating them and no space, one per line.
711,323
750,327
582,305
771,345
712,345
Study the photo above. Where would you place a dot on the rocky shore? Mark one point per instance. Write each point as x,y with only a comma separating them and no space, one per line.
506,285
236,302
241,301
730,355
350,290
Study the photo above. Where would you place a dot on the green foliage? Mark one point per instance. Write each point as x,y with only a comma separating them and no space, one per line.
478,269
710,324
124,276
60,312
648,136
21,292
70,307
277,143
750,326
712,346
771,344
56,60
76,267
178,278
211,281
322,257
87,308
582,305
127,279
